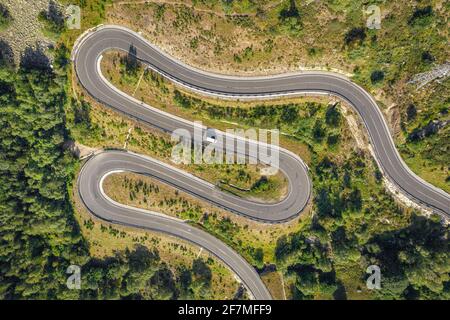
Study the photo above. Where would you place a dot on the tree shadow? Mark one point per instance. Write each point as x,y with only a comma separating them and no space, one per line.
6,54
290,12
239,294
131,61
54,12
341,292
5,16
35,59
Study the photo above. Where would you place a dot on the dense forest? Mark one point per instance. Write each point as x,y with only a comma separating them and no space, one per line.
39,237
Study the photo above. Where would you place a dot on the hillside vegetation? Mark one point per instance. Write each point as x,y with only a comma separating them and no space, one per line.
252,37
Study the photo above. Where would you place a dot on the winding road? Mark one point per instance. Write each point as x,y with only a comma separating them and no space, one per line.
87,55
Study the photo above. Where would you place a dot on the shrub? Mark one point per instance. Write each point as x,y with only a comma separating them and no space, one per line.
411,112
332,116
419,14
377,76
332,140
355,34
290,18
427,57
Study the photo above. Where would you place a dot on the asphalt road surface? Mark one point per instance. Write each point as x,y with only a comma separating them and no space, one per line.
87,54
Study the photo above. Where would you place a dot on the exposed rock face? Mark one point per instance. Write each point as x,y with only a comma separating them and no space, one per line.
431,128
79,150
25,29
393,117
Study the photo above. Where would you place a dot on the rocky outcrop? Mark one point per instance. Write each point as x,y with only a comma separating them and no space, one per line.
431,128
25,30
